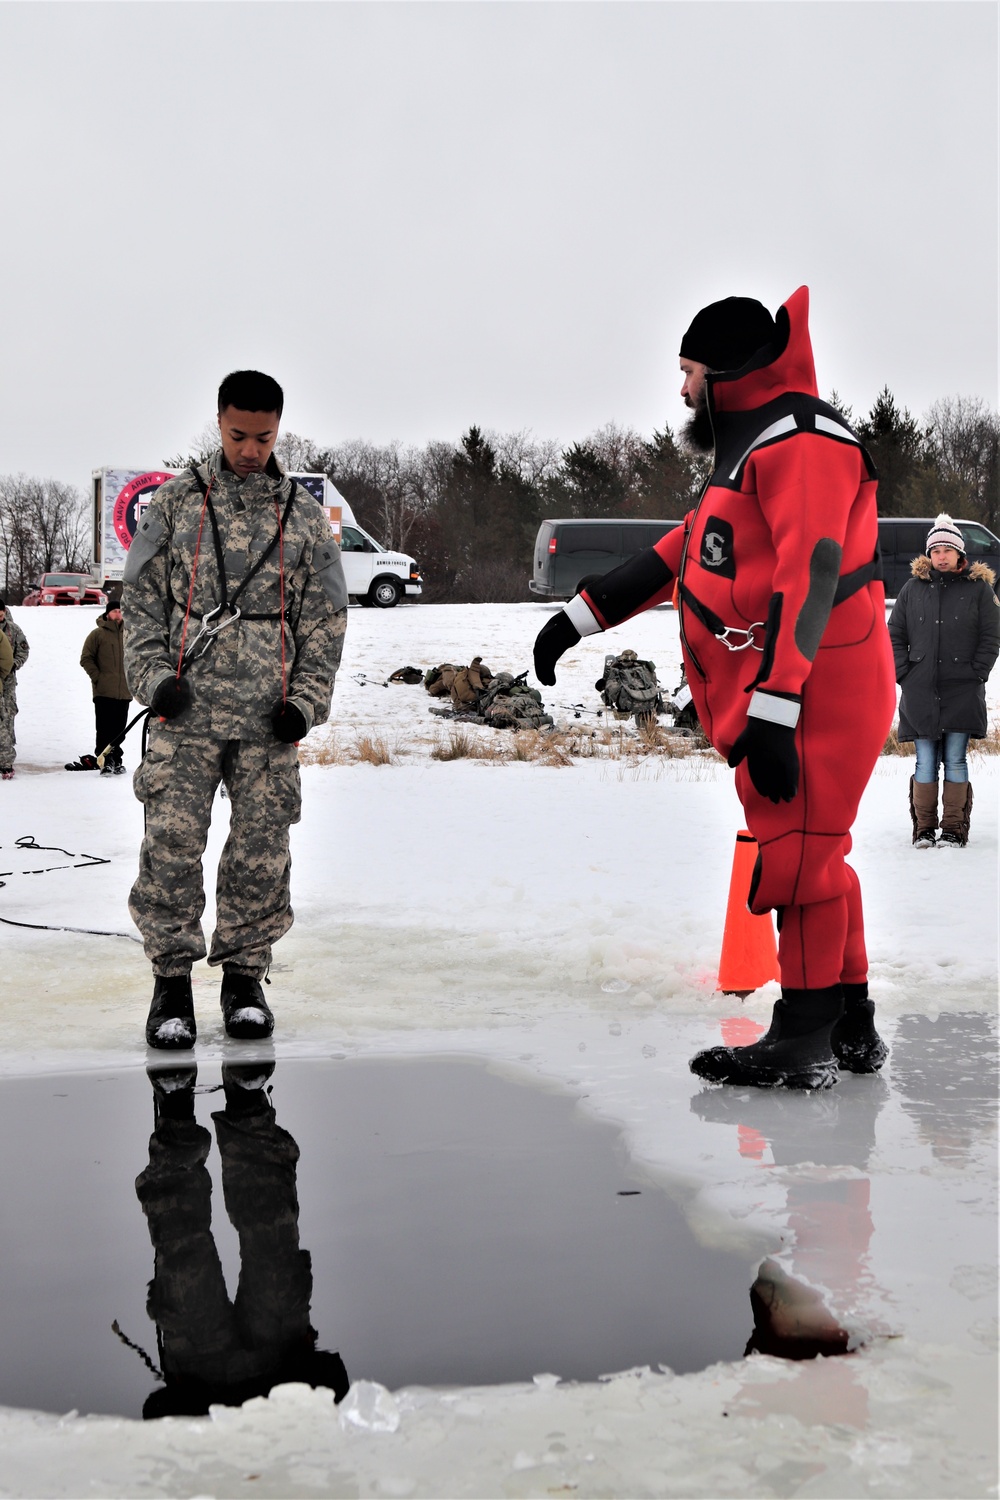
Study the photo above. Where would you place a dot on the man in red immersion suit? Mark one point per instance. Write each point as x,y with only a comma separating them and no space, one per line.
782,624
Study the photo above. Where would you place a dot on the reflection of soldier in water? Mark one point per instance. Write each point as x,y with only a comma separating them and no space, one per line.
213,1350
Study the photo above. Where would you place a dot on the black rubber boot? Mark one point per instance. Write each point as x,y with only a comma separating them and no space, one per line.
171,1024
173,1090
856,1044
795,1052
244,1086
245,1012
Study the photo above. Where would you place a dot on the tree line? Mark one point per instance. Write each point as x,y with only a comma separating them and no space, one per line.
469,512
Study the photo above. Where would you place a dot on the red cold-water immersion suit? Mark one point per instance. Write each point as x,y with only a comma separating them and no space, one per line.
779,559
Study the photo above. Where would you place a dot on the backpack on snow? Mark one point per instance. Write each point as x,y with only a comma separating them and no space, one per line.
468,686
438,680
410,675
629,686
509,703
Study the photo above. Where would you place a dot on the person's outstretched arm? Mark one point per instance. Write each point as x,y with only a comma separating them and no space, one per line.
646,580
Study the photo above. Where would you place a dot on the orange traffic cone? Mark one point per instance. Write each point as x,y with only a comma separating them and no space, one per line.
749,951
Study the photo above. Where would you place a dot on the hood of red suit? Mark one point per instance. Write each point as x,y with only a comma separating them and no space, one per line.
784,365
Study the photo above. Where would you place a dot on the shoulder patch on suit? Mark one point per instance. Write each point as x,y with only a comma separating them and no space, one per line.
328,568
150,538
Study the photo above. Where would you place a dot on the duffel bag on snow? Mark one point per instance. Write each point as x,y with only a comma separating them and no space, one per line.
509,703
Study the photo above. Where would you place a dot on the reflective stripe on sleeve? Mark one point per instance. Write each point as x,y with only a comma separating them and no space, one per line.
581,616
777,710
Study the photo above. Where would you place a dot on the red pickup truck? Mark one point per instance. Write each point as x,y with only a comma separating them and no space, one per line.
65,588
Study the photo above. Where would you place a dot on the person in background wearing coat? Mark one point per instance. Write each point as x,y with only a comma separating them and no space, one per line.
12,639
102,658
945,633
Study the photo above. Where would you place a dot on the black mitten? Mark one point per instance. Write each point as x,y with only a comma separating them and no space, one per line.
171,697
288,723
771,757
556,636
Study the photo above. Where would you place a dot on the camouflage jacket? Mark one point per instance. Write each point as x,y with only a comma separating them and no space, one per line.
237,680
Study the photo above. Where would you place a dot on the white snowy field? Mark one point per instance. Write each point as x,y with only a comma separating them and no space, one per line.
564,923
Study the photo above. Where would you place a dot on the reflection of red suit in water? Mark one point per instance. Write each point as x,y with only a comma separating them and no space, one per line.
781,546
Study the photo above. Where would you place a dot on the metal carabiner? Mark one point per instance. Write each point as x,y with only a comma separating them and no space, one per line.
208,631
748,633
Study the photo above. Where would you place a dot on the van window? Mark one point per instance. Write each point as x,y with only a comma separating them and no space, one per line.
352,540
978,540
593,539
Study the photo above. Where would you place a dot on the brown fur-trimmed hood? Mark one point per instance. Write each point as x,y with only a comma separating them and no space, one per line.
920,567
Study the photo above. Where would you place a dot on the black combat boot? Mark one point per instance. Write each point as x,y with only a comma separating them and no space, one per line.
173,1091
244,1086
171,1023
795,1053
246,1013
856,1044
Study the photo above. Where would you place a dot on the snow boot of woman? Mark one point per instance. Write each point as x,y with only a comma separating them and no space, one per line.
856,1044
956,815
795,1053
923,812
246,1013
171,1024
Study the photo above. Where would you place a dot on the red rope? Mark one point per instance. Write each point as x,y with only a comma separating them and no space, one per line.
194,570
281,598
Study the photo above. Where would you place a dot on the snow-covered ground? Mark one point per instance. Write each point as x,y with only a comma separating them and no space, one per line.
565,923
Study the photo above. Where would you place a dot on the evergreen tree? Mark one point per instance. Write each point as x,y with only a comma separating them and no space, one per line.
895,442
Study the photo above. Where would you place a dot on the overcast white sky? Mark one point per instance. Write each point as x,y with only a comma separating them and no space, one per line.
419,216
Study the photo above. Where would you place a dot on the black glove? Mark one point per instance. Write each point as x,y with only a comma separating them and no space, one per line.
771,757
556,636
171,697
288,723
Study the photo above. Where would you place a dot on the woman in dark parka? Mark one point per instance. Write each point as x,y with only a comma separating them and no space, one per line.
945,632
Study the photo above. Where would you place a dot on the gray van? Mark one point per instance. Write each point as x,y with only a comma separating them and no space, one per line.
569,552
902,538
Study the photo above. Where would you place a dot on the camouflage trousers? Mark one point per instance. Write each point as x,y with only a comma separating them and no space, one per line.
176,783
8,712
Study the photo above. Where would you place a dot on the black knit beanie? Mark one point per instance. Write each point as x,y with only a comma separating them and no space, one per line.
724,335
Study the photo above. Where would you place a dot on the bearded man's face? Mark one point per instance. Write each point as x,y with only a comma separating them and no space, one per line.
697,433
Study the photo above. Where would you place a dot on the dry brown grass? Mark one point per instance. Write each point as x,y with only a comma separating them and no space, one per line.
988,746
460,745
893,746
373,749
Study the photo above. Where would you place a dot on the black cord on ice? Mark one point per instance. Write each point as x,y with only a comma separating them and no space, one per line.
28,841
50,927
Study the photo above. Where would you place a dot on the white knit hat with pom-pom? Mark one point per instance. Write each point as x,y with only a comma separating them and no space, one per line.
944,533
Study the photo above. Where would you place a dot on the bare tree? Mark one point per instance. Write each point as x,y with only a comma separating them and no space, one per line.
43,529
962,434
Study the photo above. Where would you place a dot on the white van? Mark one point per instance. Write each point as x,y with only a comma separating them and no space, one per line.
374,576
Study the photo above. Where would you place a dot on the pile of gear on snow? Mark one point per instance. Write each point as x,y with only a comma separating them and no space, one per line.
629,689
479,696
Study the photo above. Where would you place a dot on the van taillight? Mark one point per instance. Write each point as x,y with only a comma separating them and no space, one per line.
552,544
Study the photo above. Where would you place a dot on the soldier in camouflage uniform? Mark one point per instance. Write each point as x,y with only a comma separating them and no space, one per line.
221,551
16,641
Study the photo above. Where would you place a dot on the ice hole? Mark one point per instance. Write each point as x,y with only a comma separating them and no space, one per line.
435,1221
